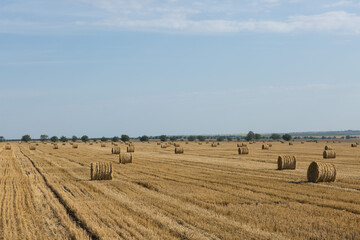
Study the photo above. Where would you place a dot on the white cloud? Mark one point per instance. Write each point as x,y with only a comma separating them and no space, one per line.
339,4
339,22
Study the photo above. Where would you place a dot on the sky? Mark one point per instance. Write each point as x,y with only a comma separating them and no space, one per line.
152,67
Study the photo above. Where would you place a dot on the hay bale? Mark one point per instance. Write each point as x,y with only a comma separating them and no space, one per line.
200,143
91,143
101,171
75,146
329,154
164,145
115,150
130,148
8,147
55,146
241,145
354,145
126,158
270,145
103,145
218,143
265,147
327,147
179,150
63,144
243,150
321,172
286,162
158,143
32,147
213,145
302,143
290,144
176,144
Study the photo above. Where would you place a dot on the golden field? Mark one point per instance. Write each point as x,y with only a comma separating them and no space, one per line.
205,193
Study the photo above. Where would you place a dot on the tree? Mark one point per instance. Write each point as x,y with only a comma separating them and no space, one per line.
54,139
85,138
2,139
173,138
74,138
125,138
115,139
250,136
163,138
275,136
144,138
26,138
44,137
201,138
348,137
229,139
191,138
103,139
287,137
257,136
220,139
63,139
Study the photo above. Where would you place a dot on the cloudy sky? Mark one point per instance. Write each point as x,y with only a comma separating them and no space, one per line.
112,67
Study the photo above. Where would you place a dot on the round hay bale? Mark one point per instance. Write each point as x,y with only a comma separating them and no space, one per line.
101,171
302,143
55,146
32,147
75,146
8,147
354,145
265,147
126,158
290,144
321,172
243,150
213,145
329,154
270,144
130,148
158,143
176,144
103,145
241,145
179,150
286,162
327,147
200,143
164,145
115,150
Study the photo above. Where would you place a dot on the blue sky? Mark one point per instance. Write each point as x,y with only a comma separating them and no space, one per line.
112,67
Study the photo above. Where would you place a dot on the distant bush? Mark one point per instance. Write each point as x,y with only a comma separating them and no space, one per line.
26,138
54,139
163,138
85,138
287,137
191,138
144,138
125,138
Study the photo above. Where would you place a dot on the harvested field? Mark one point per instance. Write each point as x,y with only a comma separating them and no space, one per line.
207,193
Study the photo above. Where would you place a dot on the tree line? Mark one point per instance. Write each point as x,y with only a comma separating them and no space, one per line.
251,136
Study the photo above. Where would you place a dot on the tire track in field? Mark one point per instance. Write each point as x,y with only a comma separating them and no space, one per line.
69,211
